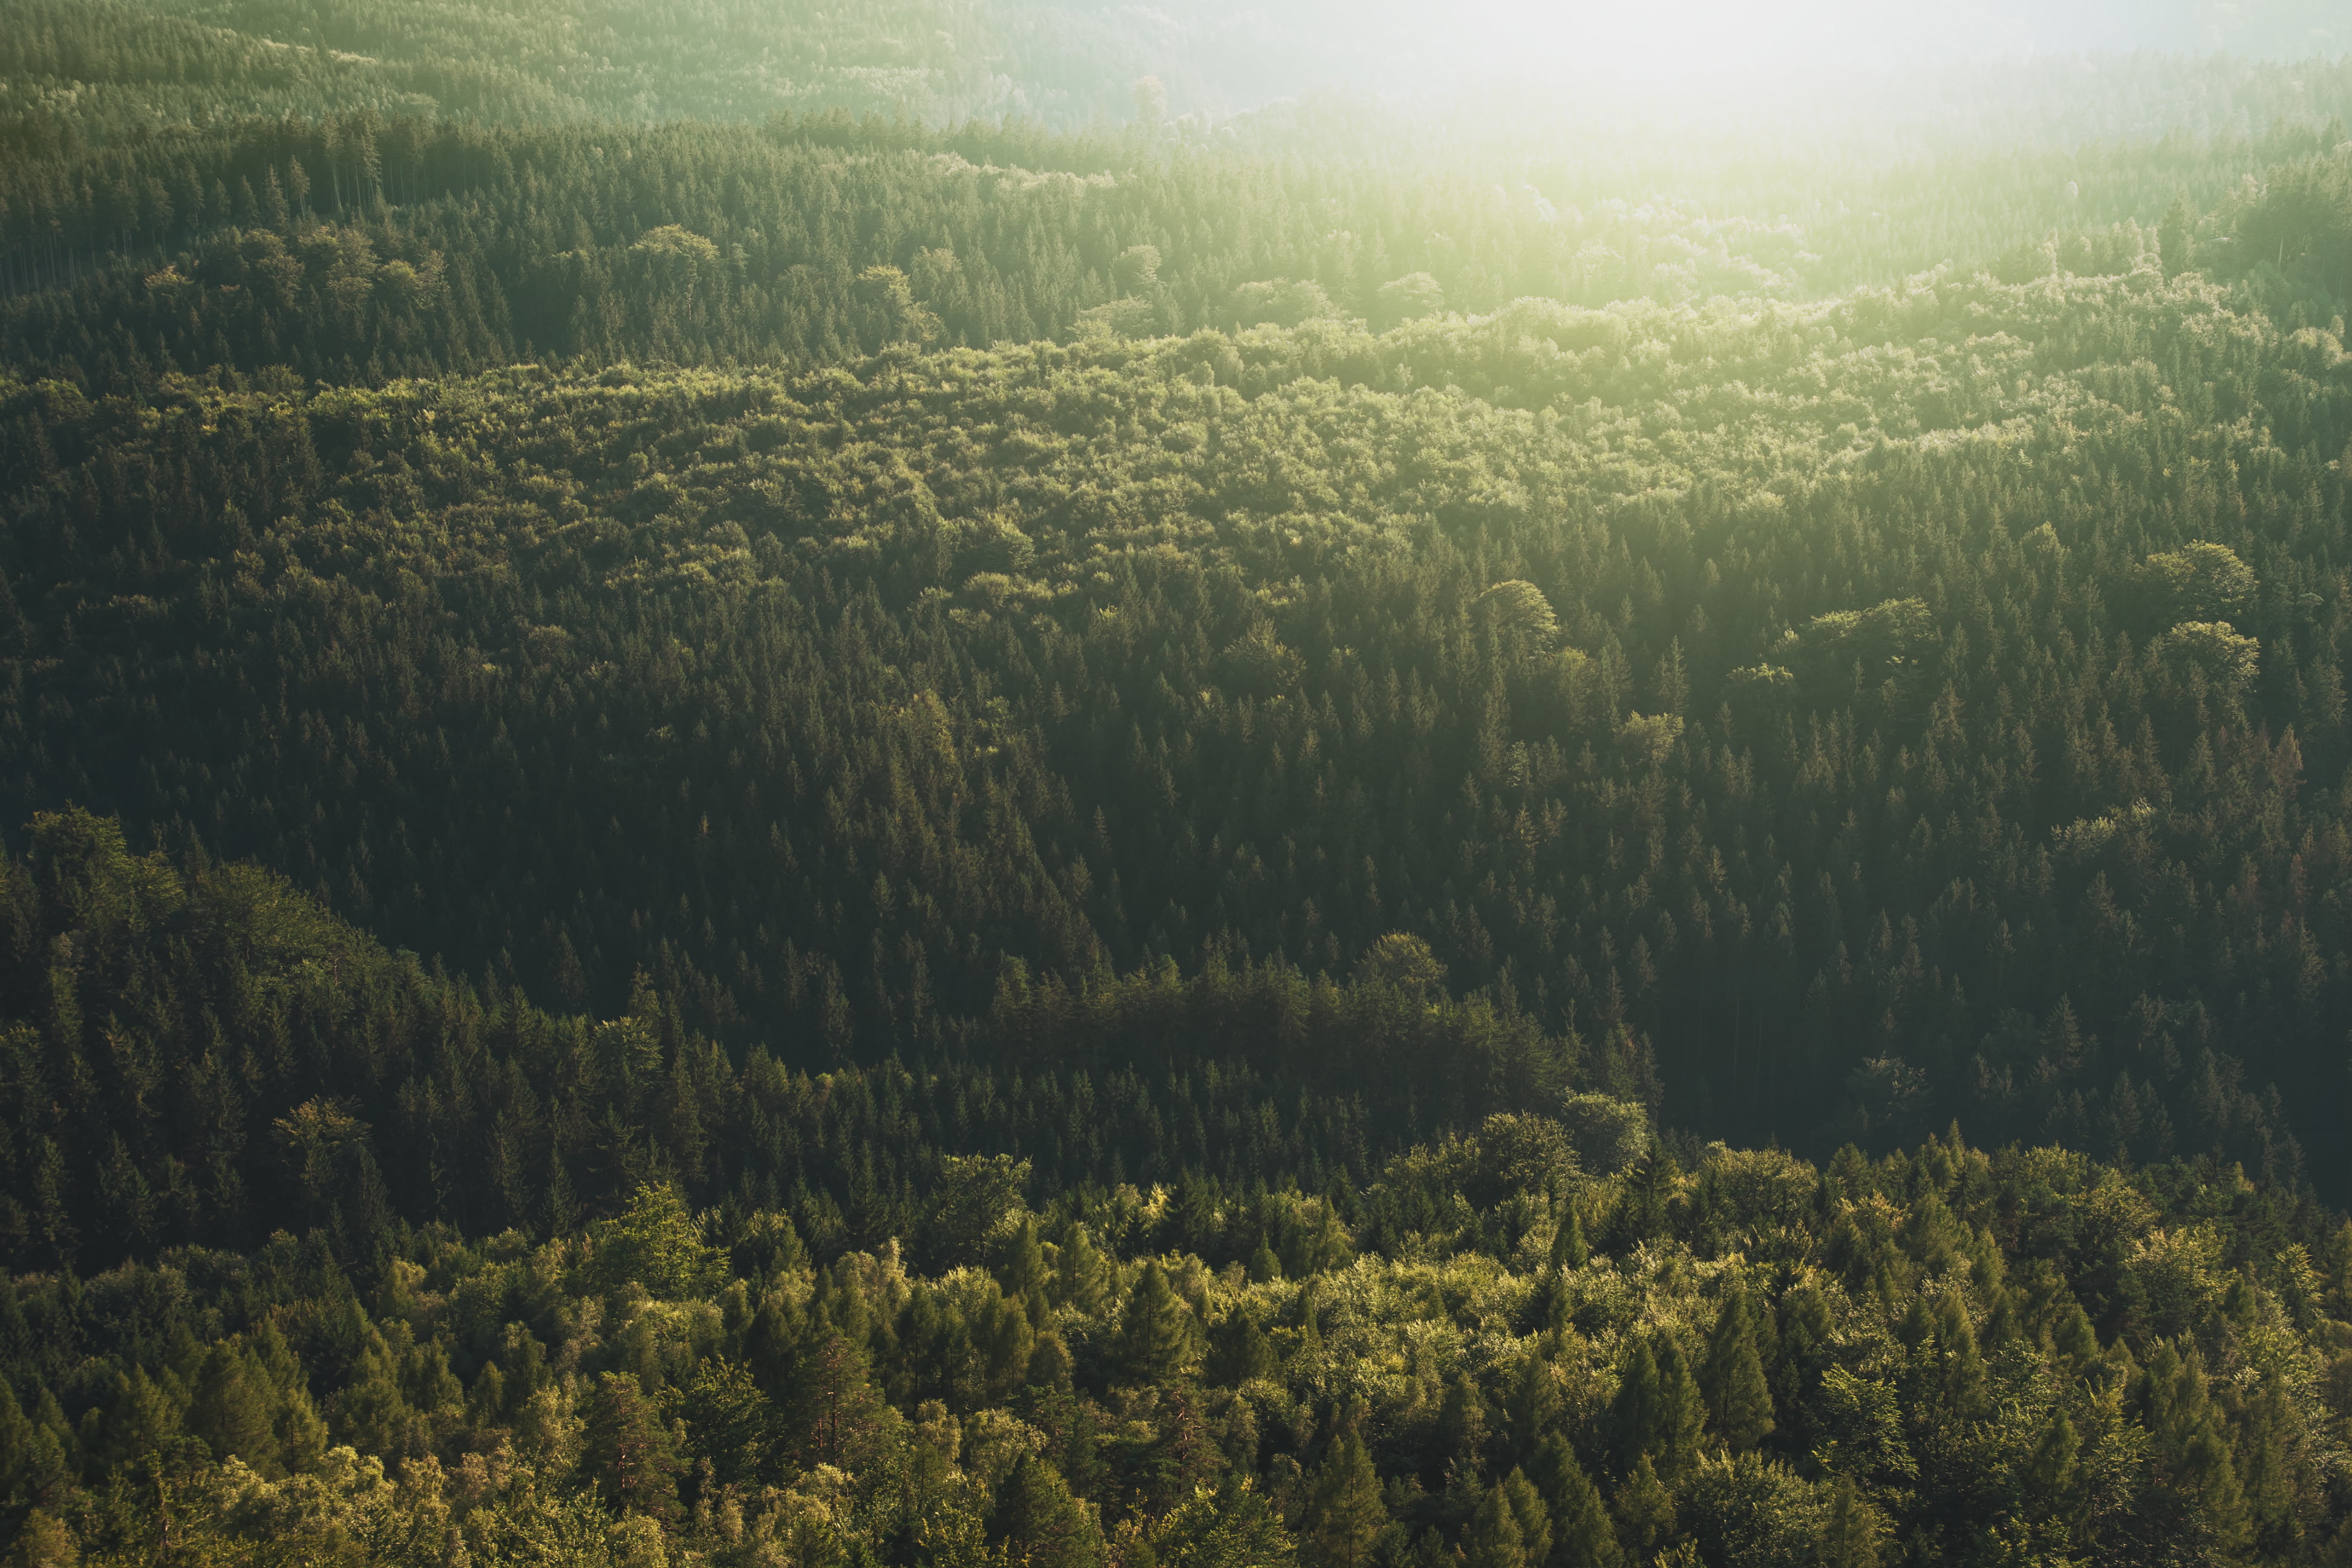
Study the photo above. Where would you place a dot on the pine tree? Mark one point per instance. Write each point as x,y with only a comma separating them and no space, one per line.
1681,1414
1645,1512
1534,1519
1494,1540
1041,1523
1582,1536
2177,1409
1078,1272
1155,1338
1240,1352
1535,1402
1738,1401
626,1452
1851,1531
1462,1426
1023,1274
232,1409
1634,1417
44,1541
1963,1378
2050,1473
1344,1512
1568,1248
15,1430
830,1400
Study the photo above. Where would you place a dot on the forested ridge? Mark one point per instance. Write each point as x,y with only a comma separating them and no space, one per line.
830,811
1947,681
1546,1340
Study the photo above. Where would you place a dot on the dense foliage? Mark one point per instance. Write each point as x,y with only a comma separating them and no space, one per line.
1933,698
1547,1342
750,834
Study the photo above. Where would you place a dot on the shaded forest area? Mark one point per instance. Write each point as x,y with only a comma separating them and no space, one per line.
1545,1341
1925,703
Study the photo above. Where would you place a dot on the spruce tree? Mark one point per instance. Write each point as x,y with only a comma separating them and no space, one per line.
1155,1338
232,1409
1344,1512
1851,1529
1645,1512
1582,1536
1568,1248
1023,1274
626,1450
1041,1523
1635,1418
1240,1352
1681,1414
1494,1540
15,1430
1738,1401
1534,1520
1535,1402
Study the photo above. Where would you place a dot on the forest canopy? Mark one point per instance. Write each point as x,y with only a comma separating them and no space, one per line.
915,785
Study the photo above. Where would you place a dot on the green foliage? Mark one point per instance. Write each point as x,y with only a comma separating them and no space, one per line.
656,1245
2201,581
1158,1335
626,1452
1738,1401
1096,826
1344,1514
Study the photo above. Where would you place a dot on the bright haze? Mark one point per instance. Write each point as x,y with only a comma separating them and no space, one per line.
1393,46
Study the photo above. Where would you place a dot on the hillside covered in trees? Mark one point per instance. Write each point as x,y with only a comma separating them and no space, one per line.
817,788
355,1325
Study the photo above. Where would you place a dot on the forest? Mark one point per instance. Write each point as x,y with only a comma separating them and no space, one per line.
919,786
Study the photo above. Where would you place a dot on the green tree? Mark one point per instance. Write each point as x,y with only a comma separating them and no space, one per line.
655,1243
1494,1540
1344,1513
1155,1342
1852,1530
627,1453
1582,1535
232,1409
1534,1519
1645,1512
1231,1527
1041,1523
1739,1400
1240,1352
1657,1410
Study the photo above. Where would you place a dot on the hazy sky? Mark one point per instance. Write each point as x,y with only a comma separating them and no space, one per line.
1707,35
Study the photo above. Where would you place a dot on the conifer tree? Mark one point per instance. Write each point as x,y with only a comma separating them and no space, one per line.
1568,1248
1463,1432
15,1438
1494,1540
1240,1351
1739,1400
831,1401
1344,1512
232,1410
1535,1402
1645,1512
1582,1536
1023,1274
1155,1338
1534,1519
44,1541
1851,1531
626,1452
1041,1523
